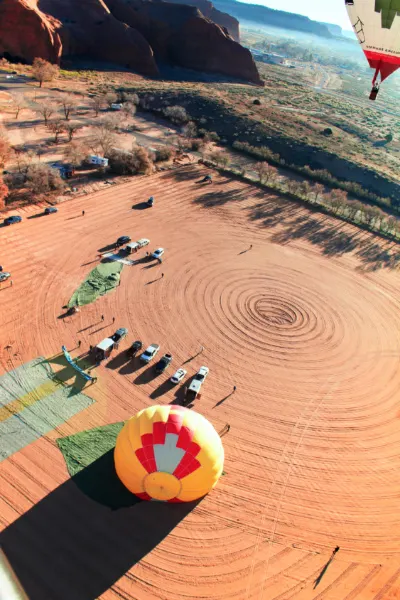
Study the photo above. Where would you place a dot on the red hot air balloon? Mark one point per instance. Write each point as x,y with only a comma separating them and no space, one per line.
377,26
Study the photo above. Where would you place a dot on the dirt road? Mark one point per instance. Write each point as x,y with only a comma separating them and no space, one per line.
306,324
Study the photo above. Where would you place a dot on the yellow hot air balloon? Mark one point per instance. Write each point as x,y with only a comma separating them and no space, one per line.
169,453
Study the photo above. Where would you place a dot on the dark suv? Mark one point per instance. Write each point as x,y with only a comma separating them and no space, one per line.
124,239
132,350
163,363
12,220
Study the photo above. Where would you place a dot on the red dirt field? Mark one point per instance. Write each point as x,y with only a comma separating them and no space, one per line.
306,324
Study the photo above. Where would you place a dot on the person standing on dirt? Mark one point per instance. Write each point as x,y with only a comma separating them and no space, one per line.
102,317
83,213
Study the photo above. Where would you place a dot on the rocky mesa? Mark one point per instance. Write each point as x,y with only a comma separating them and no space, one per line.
133,33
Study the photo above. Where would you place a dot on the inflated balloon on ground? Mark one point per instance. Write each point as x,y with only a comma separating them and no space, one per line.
169,453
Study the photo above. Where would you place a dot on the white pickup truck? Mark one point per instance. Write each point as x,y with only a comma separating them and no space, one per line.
198,380
149,353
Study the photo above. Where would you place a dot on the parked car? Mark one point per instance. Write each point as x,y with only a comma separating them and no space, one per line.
12,220
119,335
178,376
163,363
158,253
135,347
149,353
50,210
4,276
124,239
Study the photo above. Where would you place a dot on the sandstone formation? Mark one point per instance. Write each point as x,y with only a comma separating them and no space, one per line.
25,32
133,34
89,30
220,18
181,35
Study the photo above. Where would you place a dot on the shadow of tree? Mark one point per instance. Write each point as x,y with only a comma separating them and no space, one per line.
85,535
294,221
184,173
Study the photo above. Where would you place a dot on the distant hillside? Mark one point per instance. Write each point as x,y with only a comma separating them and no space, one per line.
275,18
335,29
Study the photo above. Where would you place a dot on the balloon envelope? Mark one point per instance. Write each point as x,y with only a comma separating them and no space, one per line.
377,26
169,453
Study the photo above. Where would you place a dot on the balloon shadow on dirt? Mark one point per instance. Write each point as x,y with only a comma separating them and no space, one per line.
85,535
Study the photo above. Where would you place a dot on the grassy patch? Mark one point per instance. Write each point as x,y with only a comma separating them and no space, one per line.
89,457
82,449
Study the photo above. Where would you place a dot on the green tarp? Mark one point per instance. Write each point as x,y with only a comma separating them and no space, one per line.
103,279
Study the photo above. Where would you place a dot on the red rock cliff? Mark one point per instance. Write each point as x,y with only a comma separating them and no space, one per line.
132,33
217,16
181,35
26,33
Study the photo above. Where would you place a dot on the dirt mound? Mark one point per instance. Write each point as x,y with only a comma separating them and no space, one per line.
122,32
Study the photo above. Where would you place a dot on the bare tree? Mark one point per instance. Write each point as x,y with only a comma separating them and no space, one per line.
190,130
130,98
111,122
130,163
102,140
44,71
19,103
293,186
69,103
266,172
338,199
57,127
176,114
110,98
72,128
220,158
5,147
96,103
41,178
75,153
128,110
45,109
305,189
317,190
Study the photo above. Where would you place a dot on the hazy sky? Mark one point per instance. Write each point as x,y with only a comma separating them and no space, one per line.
329,11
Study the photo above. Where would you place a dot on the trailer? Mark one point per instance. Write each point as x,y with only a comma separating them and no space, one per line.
103,349
98,160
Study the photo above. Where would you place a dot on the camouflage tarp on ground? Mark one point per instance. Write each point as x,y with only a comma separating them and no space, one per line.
103,279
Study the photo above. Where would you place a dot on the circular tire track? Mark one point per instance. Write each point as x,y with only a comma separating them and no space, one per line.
313,347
